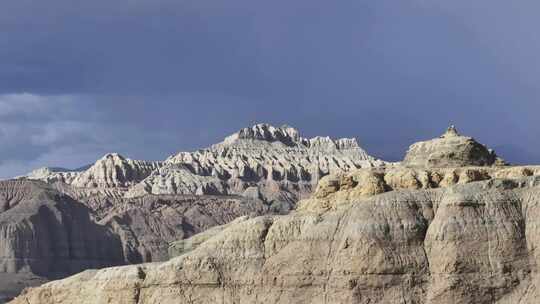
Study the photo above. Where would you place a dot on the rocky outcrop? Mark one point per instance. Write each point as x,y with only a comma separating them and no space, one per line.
53,175
278,161
147,225
470,243
449,225
46,234
181,247
110,172
283,167
338,190
178,179
450,150
115,171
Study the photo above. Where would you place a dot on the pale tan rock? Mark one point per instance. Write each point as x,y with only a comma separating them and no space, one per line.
470,243
114,171
402,178
451,226
450,150
516,172
341,189
473,175
285,166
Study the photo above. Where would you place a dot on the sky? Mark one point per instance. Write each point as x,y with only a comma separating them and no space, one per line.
148,78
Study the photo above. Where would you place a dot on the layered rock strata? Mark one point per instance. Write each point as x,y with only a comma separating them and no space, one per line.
45,235
341,189
452,224
282,166
470,243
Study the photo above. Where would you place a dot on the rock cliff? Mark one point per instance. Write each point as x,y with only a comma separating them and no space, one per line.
450,150
282,165
47,235
470,243
142,206
457,229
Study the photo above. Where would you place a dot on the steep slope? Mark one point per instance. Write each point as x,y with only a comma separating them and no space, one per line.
48,235
452,227
53,175
450,150
275,164
472,243
278,161
147,225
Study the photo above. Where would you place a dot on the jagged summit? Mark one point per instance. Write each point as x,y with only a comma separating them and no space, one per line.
450,150
286,135
265,132
278,161
113,156
114,170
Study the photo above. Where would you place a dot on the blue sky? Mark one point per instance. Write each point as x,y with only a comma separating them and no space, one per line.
149,78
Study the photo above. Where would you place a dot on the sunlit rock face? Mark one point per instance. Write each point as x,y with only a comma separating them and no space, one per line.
450,150
469,243
282,165
454,227
143,206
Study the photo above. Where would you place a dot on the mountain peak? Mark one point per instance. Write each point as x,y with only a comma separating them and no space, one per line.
266,132
289,136
451,150
113,156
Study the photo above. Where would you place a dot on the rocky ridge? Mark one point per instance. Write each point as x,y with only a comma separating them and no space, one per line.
471,243
146,205
450,150
454,231
48,234
282,165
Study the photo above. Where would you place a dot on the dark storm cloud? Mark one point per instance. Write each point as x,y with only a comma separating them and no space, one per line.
148,78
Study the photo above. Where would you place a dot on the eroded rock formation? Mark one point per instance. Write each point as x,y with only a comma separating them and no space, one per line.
470,243
47,235
453,224
450,150
146,205
281,164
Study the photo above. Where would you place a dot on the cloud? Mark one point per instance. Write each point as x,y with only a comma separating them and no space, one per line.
29,104
148,78
33,125
57,130
74,130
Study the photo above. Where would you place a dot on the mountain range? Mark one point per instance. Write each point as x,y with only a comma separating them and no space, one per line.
134,209
267,216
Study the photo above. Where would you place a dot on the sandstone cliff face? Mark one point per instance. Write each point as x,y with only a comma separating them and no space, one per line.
341,189
450,150
258,170
147,225
46,234
471,243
